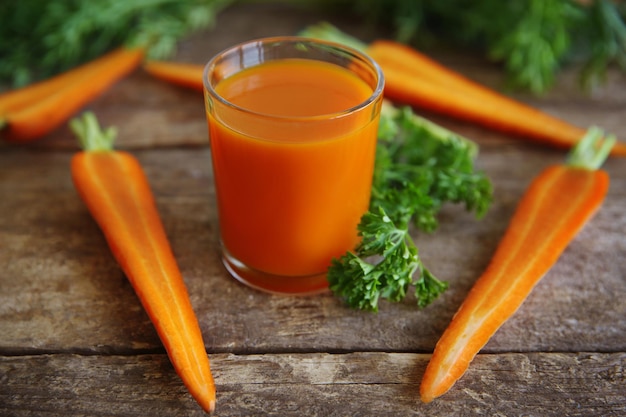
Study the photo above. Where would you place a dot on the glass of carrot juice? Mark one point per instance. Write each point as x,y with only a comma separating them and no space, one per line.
292,127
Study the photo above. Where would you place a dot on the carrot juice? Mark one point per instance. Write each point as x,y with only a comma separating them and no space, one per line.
293,141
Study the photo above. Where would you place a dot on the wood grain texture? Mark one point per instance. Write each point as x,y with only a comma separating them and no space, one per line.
367,384
61,285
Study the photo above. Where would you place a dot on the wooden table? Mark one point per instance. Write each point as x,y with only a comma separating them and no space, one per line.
74,340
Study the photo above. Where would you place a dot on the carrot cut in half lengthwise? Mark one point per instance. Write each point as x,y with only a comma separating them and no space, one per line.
34,111
13,101
115,190
178,73
545,221
413,78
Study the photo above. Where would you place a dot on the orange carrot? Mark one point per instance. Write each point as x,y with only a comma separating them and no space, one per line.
185,75
415,79
118,196
400,56
36,110
514,117
546,220
18,99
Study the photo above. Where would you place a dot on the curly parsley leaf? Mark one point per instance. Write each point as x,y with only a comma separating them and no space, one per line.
419,167
362,283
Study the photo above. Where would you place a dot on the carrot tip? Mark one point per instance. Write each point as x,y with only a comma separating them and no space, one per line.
426,400
209,406
428,394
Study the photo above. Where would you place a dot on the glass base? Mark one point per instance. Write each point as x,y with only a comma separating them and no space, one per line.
275,284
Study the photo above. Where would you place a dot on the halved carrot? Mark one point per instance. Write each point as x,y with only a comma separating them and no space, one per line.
183,74
512,117
116,192
45,107
545,222
413,78
18,99
402,57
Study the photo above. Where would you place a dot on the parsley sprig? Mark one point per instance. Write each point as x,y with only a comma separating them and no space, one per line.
420,166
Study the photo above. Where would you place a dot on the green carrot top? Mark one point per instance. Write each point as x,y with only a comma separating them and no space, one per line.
592,150
90,134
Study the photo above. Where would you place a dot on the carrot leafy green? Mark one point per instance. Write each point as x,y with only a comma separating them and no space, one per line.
534,40
420,166
41,38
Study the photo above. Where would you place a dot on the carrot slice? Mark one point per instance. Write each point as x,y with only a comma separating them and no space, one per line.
118,196
185,75
45,107
545,222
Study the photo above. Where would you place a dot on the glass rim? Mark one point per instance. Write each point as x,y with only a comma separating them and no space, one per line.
376,93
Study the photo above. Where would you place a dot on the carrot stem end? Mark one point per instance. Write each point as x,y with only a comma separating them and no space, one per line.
90,134
592,150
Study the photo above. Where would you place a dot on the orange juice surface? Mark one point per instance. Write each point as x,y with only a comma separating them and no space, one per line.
292,182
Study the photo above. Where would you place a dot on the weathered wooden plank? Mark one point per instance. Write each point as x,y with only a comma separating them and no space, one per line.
60,288
364,384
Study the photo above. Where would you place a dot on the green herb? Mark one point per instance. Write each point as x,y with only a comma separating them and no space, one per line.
535,47
420,166
605,40
533,39
39,38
